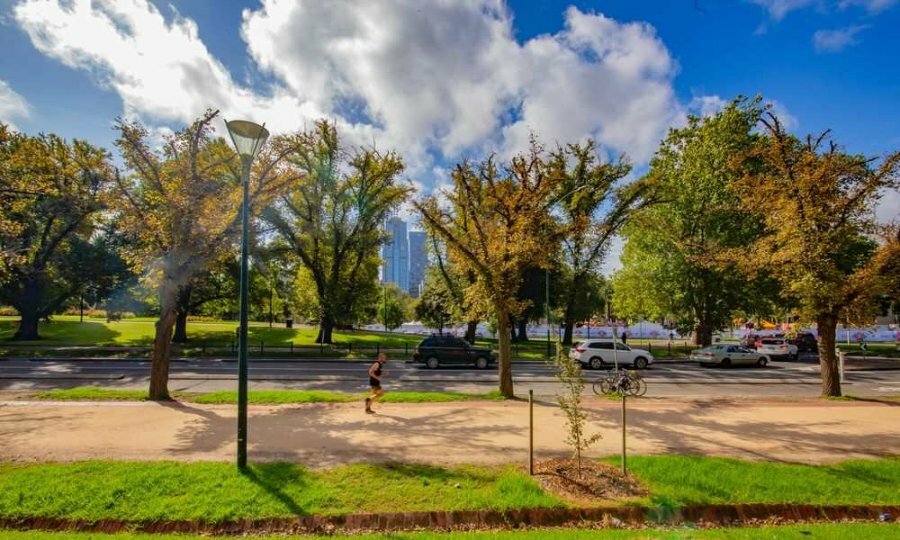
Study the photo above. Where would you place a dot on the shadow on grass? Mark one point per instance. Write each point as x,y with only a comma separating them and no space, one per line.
273,477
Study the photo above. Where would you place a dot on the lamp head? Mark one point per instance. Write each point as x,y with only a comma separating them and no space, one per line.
248,137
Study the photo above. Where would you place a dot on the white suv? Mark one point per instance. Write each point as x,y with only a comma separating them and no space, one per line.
777,348
597,353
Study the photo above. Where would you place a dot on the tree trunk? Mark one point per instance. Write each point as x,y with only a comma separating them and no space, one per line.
504,366
162,346
184,306
180,335
568,332
523,329
326,329
828,365
28,325
471,328
29,313
569,318
703,334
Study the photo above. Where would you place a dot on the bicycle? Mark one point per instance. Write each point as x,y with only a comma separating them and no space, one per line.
620,382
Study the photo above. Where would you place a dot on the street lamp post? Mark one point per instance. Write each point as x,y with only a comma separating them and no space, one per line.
248,139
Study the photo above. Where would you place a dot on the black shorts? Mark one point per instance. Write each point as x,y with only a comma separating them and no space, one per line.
375,386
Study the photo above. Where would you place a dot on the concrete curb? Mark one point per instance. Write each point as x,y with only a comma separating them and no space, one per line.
708,515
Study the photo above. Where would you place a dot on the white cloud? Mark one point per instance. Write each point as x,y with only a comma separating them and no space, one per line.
12,105
872,6
777,9
788,120
838,39
446,79
888,208
706,105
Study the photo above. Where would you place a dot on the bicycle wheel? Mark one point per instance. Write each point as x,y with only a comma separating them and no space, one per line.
638,387
601,386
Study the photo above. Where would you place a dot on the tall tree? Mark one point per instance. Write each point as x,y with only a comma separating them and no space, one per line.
51,193
496,223
454,283
595,205
671,262
180,205
332,217
817,203
436,306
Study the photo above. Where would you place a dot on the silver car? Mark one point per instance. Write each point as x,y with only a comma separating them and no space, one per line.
726,355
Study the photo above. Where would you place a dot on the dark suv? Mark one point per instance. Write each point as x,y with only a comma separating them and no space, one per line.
448,350
805,342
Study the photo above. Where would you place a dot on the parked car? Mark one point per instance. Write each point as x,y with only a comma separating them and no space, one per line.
725,355
805,342
436,351
777,348
749,340
600,352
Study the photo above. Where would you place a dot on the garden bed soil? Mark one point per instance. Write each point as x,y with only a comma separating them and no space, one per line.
596,483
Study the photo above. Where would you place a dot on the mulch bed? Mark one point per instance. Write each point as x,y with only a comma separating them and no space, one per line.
593,483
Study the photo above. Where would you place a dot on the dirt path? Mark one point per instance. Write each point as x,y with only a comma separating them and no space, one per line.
484,432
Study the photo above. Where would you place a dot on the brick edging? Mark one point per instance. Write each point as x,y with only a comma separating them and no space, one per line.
709,514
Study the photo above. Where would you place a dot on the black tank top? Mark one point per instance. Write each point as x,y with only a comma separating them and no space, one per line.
372,380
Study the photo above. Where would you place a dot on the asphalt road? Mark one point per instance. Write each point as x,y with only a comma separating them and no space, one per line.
792,379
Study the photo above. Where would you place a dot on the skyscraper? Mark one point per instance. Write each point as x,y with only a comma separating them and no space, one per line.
395,254
418,260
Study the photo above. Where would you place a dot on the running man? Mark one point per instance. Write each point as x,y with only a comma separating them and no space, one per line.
375,374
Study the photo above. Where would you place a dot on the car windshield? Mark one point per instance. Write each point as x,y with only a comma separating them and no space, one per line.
772,341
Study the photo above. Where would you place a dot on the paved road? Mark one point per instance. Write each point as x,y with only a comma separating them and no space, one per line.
201,375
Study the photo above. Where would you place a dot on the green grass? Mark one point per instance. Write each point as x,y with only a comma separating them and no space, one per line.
889,350
218,492
675,480
90,393
66,330
260,397
831,531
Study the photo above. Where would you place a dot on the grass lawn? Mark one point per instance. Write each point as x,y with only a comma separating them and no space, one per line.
260,397
217,491
66,330
814,532
675,480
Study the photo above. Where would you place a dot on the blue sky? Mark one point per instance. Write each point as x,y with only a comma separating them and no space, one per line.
443,80
720,48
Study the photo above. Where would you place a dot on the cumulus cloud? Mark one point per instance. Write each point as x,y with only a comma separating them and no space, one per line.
437,81
706,105
837,40
12,105
888,208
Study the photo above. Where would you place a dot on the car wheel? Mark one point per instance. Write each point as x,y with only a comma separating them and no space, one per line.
762,362
726,363
640,363
481,362
432,362
596,362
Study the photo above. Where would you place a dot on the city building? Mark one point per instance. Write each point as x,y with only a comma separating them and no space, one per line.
418,261
395,254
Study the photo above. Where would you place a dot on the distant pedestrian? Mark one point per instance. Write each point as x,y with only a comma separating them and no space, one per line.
376,372
624,338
